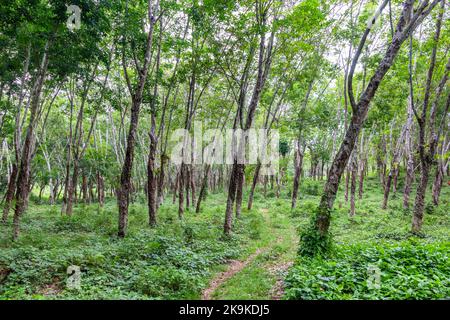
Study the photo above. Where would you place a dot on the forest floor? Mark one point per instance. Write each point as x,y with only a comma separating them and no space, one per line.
191,259
260,275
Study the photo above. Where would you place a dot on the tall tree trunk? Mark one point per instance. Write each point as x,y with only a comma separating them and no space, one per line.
298,163
12,183
393,173
151,181
347,183
230,200
123,193
181,177
238,171
10,192
84,188
427,153
41,189
161,179
239,189
405,26
54,192
175,188
192,182
354,172
23,178
387,189
187,184
419,205
100,190
396,174
253,187
151,174
437,185
203,188
72,189
409,155
361,178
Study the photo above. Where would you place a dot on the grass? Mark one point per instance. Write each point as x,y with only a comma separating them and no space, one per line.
178,259
257,280
173,261
409,266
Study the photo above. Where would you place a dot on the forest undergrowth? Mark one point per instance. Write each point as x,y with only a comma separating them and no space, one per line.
178,259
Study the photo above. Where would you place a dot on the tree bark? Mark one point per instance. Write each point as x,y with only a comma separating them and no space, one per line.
238,171
437,185
427,153
151,179
123,193
409,153
239,189
354,172
405,27
24,171
10,192
203,188
230,200
100,190
298,164
181,178
361,178
253,187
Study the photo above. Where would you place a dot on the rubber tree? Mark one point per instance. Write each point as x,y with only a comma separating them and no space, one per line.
316,239
136,91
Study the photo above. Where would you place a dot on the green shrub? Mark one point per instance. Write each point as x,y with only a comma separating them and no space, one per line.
167,283
255,226
311,187
408,270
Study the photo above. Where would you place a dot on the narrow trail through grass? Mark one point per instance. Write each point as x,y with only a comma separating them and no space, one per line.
234,267
260,275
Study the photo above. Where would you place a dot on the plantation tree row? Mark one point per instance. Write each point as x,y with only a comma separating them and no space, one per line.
354,88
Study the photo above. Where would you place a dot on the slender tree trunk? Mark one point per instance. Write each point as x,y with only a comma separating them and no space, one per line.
437,185
72,189
151,183
203,188
54,192
161,179
347,183
175,188
409,156
405,27
408,181
181,178
354,173
237,176
419,205
298,162
396,174
361,179
253,187
41,189
84,188
23,178
427,153
12,183
230,200
123,193
187,184
100,190
192,182
10,192
387,190
239,189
